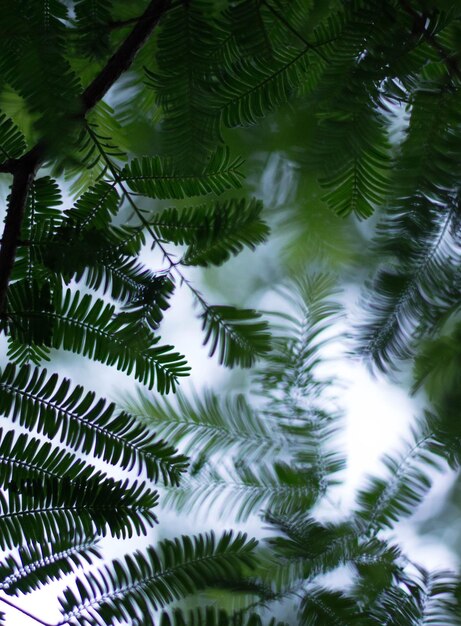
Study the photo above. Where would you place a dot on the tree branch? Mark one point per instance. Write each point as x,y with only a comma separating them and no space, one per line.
25,168
23,177
124,56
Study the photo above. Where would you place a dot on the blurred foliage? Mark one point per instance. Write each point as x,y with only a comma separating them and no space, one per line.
195,127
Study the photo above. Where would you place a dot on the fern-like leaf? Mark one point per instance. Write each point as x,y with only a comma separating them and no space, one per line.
254,87
356,148
184,66
386,500
144,583
92,18
243,490
47,512
85,424
12,141
239,335
39,564
209,425
158,177
213,232
322,606
90,327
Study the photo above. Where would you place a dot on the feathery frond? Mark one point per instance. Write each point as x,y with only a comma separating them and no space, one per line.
209,425
12,141
242,490
92,19
82,325
38,564
143,583
253,88
58,508
213,232
190,126
158,177
36,400
420,237
386,500
239,335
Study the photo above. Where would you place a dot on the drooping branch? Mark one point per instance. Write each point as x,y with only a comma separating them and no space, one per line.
25,168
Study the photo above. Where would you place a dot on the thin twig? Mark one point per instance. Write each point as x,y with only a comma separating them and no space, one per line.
18,608
23,178
420,20
173,265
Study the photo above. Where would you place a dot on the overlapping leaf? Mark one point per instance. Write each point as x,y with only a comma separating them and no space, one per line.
144,583
213,232
158,177
43,402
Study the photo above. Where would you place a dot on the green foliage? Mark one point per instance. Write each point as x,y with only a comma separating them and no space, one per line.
12,142
376,86
208,425
240,474
159,177
147,582
239,335
213,232
181,82
38,564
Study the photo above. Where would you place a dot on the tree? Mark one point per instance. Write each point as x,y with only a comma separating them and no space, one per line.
129,104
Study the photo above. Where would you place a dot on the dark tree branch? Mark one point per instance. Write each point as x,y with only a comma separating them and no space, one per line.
123,23
124,56
23,177
25,168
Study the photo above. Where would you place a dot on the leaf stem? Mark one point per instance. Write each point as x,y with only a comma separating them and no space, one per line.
18,608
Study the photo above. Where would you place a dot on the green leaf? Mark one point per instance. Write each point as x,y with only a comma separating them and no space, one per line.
36,400
94,209
145,583
213,232
243,490
80,324
48,511
209,424
38,564
158,177
253,88
12,141
190,126
355,151
239,335
385,500
321,606
92,34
